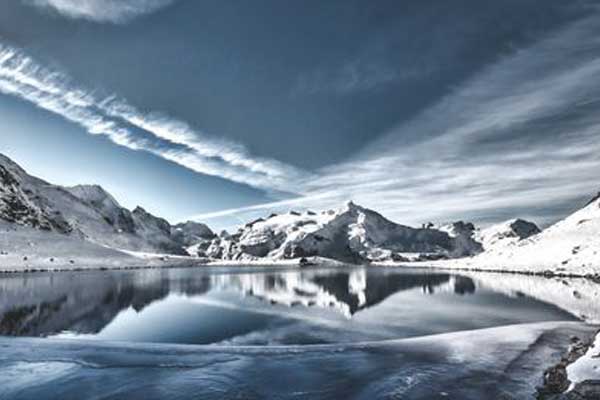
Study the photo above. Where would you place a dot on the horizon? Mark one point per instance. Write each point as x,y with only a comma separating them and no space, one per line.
267,210
220,114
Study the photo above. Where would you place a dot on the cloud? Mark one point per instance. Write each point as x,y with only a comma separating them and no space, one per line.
354,76
122,123
115,11
522,134
520,138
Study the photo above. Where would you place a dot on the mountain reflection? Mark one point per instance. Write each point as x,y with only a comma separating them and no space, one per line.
86,302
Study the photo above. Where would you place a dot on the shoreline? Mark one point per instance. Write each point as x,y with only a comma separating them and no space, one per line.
166,262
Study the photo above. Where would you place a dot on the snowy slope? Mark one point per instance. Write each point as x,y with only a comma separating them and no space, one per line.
570,247
506,233
103,202
351,233
84,211
25,248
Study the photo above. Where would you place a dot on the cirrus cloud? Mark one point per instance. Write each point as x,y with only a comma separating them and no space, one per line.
113,117
115,11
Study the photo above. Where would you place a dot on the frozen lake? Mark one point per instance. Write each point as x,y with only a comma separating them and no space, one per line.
249,332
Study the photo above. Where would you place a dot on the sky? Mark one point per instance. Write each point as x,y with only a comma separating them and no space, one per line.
224,111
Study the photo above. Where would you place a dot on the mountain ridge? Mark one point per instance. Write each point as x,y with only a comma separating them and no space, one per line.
87,211
349,234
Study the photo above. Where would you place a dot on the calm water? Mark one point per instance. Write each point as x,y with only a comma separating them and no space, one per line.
250,306
184,334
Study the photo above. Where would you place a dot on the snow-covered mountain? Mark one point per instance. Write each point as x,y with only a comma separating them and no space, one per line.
85,211
45,222
571,246
351,233
506,233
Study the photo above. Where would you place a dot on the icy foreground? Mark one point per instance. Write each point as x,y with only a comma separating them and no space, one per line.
504,362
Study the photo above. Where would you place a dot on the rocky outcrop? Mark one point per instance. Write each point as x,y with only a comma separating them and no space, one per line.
21,205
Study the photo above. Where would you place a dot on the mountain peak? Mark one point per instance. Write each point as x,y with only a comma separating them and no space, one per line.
11,166
351,207
93,194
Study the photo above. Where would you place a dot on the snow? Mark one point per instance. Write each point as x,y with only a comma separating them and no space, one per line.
350,234
87,218
24,248
506,233
84,211
570,247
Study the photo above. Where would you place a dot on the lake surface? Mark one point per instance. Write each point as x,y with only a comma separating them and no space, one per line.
250,306
275,333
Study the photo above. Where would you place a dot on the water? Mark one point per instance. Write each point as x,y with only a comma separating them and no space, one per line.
249,306
273,333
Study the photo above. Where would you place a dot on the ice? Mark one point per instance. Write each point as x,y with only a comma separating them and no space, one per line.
478,364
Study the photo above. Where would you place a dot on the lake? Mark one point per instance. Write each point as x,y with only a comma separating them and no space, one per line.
229,332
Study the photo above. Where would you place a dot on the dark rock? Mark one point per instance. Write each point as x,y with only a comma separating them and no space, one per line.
251,223
556,380
586,390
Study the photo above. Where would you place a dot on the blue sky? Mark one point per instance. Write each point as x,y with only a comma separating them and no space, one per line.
228,110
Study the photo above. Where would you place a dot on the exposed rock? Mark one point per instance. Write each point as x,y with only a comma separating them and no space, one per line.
586,390
190,233
556,379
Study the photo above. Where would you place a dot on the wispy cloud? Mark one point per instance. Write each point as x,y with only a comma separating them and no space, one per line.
354,76
115,11
520,138
121,122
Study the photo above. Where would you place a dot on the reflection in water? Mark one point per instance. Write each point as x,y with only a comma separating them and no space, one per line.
85,302
38,305
253,306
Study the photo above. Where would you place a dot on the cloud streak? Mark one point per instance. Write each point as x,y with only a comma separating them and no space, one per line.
521,135
114,11
122,123
521,138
